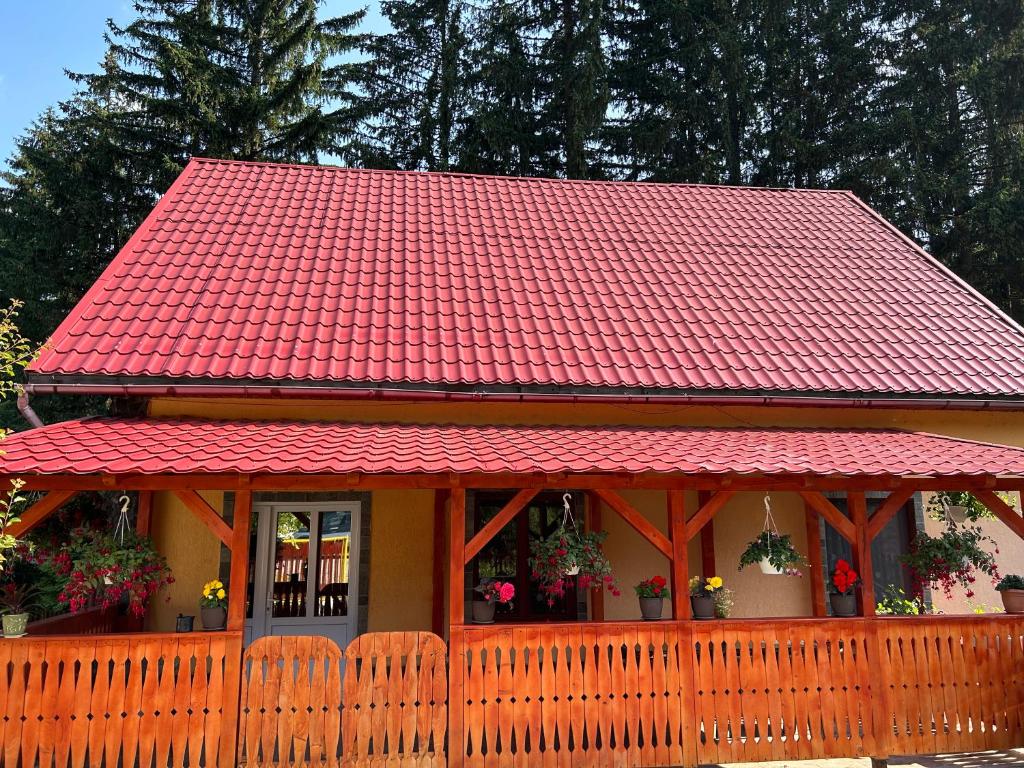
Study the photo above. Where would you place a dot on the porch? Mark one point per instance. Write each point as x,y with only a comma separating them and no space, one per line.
675,692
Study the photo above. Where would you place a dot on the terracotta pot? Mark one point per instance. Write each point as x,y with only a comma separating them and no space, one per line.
843,605
1013,600
15,624
703,606
214,618
768,569
483,611
650,608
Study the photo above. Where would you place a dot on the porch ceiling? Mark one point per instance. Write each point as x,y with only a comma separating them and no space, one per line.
112,446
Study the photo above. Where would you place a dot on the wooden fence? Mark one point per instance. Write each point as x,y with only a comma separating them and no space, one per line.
384,701
735,691
145,700
629,693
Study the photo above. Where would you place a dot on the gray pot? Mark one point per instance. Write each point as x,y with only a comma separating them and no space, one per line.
214,618
843,605
703,607
483,611
650,608
15,624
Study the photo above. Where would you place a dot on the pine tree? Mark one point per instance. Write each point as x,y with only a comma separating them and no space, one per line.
413,88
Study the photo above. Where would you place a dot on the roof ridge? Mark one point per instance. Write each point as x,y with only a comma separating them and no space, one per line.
539,179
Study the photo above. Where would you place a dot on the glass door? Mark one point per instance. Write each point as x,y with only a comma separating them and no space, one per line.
309,554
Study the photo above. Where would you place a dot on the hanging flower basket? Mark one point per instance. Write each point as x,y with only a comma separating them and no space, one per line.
772,551
568,554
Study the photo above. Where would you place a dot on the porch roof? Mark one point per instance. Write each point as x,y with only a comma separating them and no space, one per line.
119,446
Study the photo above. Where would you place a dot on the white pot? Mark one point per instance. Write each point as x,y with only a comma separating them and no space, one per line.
768,569
574,571
957,513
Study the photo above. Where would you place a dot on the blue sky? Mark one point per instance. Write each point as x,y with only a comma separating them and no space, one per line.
39,39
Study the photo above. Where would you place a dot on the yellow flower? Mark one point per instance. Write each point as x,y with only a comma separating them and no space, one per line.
206,591
715,582
220,593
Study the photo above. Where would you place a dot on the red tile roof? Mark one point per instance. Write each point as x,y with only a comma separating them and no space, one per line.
128,446
261,272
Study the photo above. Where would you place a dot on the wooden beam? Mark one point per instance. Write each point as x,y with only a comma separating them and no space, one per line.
440,550
640,524
457,558
206,514
828,510
817,567
707,512
238,583
144,513
38,512
1007,514
708,567
499,521
680,555
893,503
594,524
862,551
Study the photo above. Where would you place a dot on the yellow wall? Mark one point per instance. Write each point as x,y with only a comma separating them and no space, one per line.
402,527
192,552
401,560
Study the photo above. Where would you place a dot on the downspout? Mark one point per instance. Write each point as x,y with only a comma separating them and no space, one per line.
26,410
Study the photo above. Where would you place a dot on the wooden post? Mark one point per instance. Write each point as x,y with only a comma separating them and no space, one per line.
862,551
680,556
456,619
440,550
238,587
238,584
812,520
144,514
457,558
594,524
707,540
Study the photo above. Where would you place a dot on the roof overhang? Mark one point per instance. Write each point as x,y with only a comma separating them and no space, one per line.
165,453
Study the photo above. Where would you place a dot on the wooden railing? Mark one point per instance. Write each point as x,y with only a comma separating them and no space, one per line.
384,701
152,699
735,691
91,621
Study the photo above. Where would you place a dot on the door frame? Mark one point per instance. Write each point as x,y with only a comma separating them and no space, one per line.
265,512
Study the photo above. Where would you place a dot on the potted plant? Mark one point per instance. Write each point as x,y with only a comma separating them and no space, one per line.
953,558
14,605
652,593
492,594
567,554
1011,590
841,593
703,596
774,553
213,605
103,570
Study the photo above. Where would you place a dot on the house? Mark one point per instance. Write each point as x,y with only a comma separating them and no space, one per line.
353,394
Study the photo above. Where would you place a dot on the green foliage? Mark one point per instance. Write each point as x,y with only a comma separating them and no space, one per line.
778,549
1010,581
953,558
974,509
896,603
567,554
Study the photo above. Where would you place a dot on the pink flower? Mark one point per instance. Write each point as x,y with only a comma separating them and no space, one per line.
506,592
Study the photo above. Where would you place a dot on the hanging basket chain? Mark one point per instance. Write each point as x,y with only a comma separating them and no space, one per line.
567,517
769,522
122,528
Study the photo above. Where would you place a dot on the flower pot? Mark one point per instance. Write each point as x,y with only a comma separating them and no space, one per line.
184,623
214,618
843,605
650,608
15,624
483,611
1013,600
703,606
769,569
